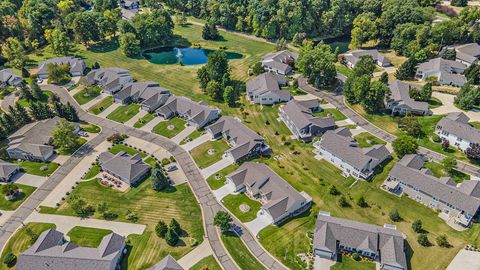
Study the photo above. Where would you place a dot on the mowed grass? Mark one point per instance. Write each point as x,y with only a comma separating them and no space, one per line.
124,113
127,149
87,94
233,203
337,115
201,154
347,263
144,120
208,262
101,105
217,180
21,241
32,167
438,170
87,237
192,136
239,252
366,139
12,205
44,98
170,128
92,172
150,206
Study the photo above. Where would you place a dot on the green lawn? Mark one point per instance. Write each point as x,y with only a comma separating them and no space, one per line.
175,124
92,172
217,180
239,252
195,134
121,147
475,125
91,128
12,205
207,263
337,115
67,152
87,94
45,95
144,120
21,241
150,206
434,103
438,170
233,202
347,263
203,158
366,139
101,105
32,167
87,237
343,70
123,113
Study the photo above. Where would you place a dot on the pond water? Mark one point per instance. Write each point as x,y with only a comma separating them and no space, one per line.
188,56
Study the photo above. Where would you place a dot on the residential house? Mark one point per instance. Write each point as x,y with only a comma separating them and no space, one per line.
278,198
9,78
7,170
127,168
33,141
339,148
128,14
149,95
130,4
197,114
352,57
299,117
457,131
167,263
456,204
280,62
77,66
51,251
385,245
399,101
244,142
447,72
467,54
265,89
111,79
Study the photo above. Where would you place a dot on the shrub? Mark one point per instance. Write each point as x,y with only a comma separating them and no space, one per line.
161,229
394,215
442,241
436,138
342,202
417,226
9,259
362,202
423,240
171,237
356,257
333,190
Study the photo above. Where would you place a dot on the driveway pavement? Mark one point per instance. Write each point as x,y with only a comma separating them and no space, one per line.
194,256
150,125
322,264
29,179
66,223
345,122
93,101
389,70
183,134
4,216
258,224
212,169
448,106
222,192
136,117
198,141
465,260
108,110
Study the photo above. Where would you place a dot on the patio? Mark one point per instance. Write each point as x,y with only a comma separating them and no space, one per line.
107,179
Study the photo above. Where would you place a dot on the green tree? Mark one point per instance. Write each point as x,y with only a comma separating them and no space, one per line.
467,97
342,202
217,66
161,229
222,219
362,202
229,96
181,19
214,90
356,88
35,90
449,165
417,226
20,114
459,3
70,113
129,44
407,70
318,65
64,135
159,180
9,189
154,28
364,29
472,73
203,77
210,32
60,42
171,237
85,27
58,74
374,99
257,69
175,226
102,207
14,52
422,239
366,66
404,145
384,78
9,259
410,125
442,241
394,215
333,190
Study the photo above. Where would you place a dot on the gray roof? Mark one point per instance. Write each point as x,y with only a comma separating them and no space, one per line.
278,59
345,148
52,252
7,76
167,263
400,94
76,64
302,116
244,138
128,14
7,168
468,52
388,243
267,83
261,180
124,165
447,69
107,77
355,56
426,182
457,124
197,112
149,94
470,187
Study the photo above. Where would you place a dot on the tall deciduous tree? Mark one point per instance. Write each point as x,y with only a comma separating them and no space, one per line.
318,65
374,99
64,135
404,145
129,44
13,50
364,29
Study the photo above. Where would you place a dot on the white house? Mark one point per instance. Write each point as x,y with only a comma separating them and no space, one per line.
265,89
280,62
353,57
447,72
457,131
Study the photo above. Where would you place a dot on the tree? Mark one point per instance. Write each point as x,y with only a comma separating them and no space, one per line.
366,66
217,66
229,96
472,73
281,44
404,145
64,136
154,28
181,19
129,44
222,219
203,77
442,241
333,190
124,26
422,239
473,152
25,93
355,88
14,52
9,189
35,90
467,97
448,54
449,164
175,226
60,42
364,29
407,70
210,32
171,237
410,125
102,5
159,180
384,78
445,145
102,207
459,3
70,113
85,27
374,99
161,229
342,202
20,114
58,74
394,215
9,259
417,226
318,65
257,69
214,90
362,202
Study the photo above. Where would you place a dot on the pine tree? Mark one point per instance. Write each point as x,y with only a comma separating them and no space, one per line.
8,123
59,109
159,180
36,91
35,111
171,237
22,114
25,93
407,70
71,113
161,229
175,226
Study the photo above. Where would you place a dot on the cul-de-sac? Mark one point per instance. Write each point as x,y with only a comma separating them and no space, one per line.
239,134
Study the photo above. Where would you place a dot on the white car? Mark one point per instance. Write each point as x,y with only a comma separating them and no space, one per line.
171,168
39,80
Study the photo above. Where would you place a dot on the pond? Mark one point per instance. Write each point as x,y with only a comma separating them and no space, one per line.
188,56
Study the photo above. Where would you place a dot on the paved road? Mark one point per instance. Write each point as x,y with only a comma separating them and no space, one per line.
197,182
336,99
8,101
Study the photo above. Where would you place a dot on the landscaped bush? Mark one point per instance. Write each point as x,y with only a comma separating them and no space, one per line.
356,257
9,259
165,161
436,138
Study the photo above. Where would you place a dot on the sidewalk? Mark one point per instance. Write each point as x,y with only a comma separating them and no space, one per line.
135,118
194,256
150,125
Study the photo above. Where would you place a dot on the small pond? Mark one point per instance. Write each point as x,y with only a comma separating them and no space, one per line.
188,56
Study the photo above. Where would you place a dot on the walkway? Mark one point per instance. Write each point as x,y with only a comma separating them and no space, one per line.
448,106
183,134
93,101
212,169
66,223
194,256
108,110
135,118
198,141
150,125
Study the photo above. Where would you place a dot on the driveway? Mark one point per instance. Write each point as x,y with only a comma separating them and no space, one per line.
94,101
222,192
322,264
345,122
223,163
389,70
258,224
108,110
135,118
465,260
183,134
198,141
150,125
29,179
448,106
194,256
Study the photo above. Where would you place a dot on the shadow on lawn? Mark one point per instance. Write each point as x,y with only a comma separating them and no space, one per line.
106,46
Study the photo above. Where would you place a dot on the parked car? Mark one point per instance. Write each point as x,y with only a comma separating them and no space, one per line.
83,133
171,168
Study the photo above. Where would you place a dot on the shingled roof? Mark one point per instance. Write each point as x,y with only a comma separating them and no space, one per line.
400,93
124,165
167,263
107,77
356,55
267,83
7,168
8,77
149,93
301,114
468,52
77,65
196,112
444,68
457,124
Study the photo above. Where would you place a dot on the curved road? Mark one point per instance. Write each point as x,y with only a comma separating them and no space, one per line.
336,99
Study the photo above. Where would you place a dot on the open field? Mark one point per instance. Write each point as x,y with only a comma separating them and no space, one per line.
101,105
12,205
123,113
176,125
87,237
203,158
208,262
34,168
233,202
239,252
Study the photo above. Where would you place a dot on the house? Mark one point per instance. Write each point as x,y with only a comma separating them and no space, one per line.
149,95
457,131
33,141
280,62
278,198
129,169
339,148
51,251
467,54
265,89
385,245
197,114
299,117
244,142
399,101
9,78
458,204
7,170
447,72
77,66
167,263
128,14
352,57
111,79
129,4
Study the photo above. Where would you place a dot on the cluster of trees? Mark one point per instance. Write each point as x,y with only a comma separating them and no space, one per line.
468,97
64,136
170,233
317,64
210,32
422,94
